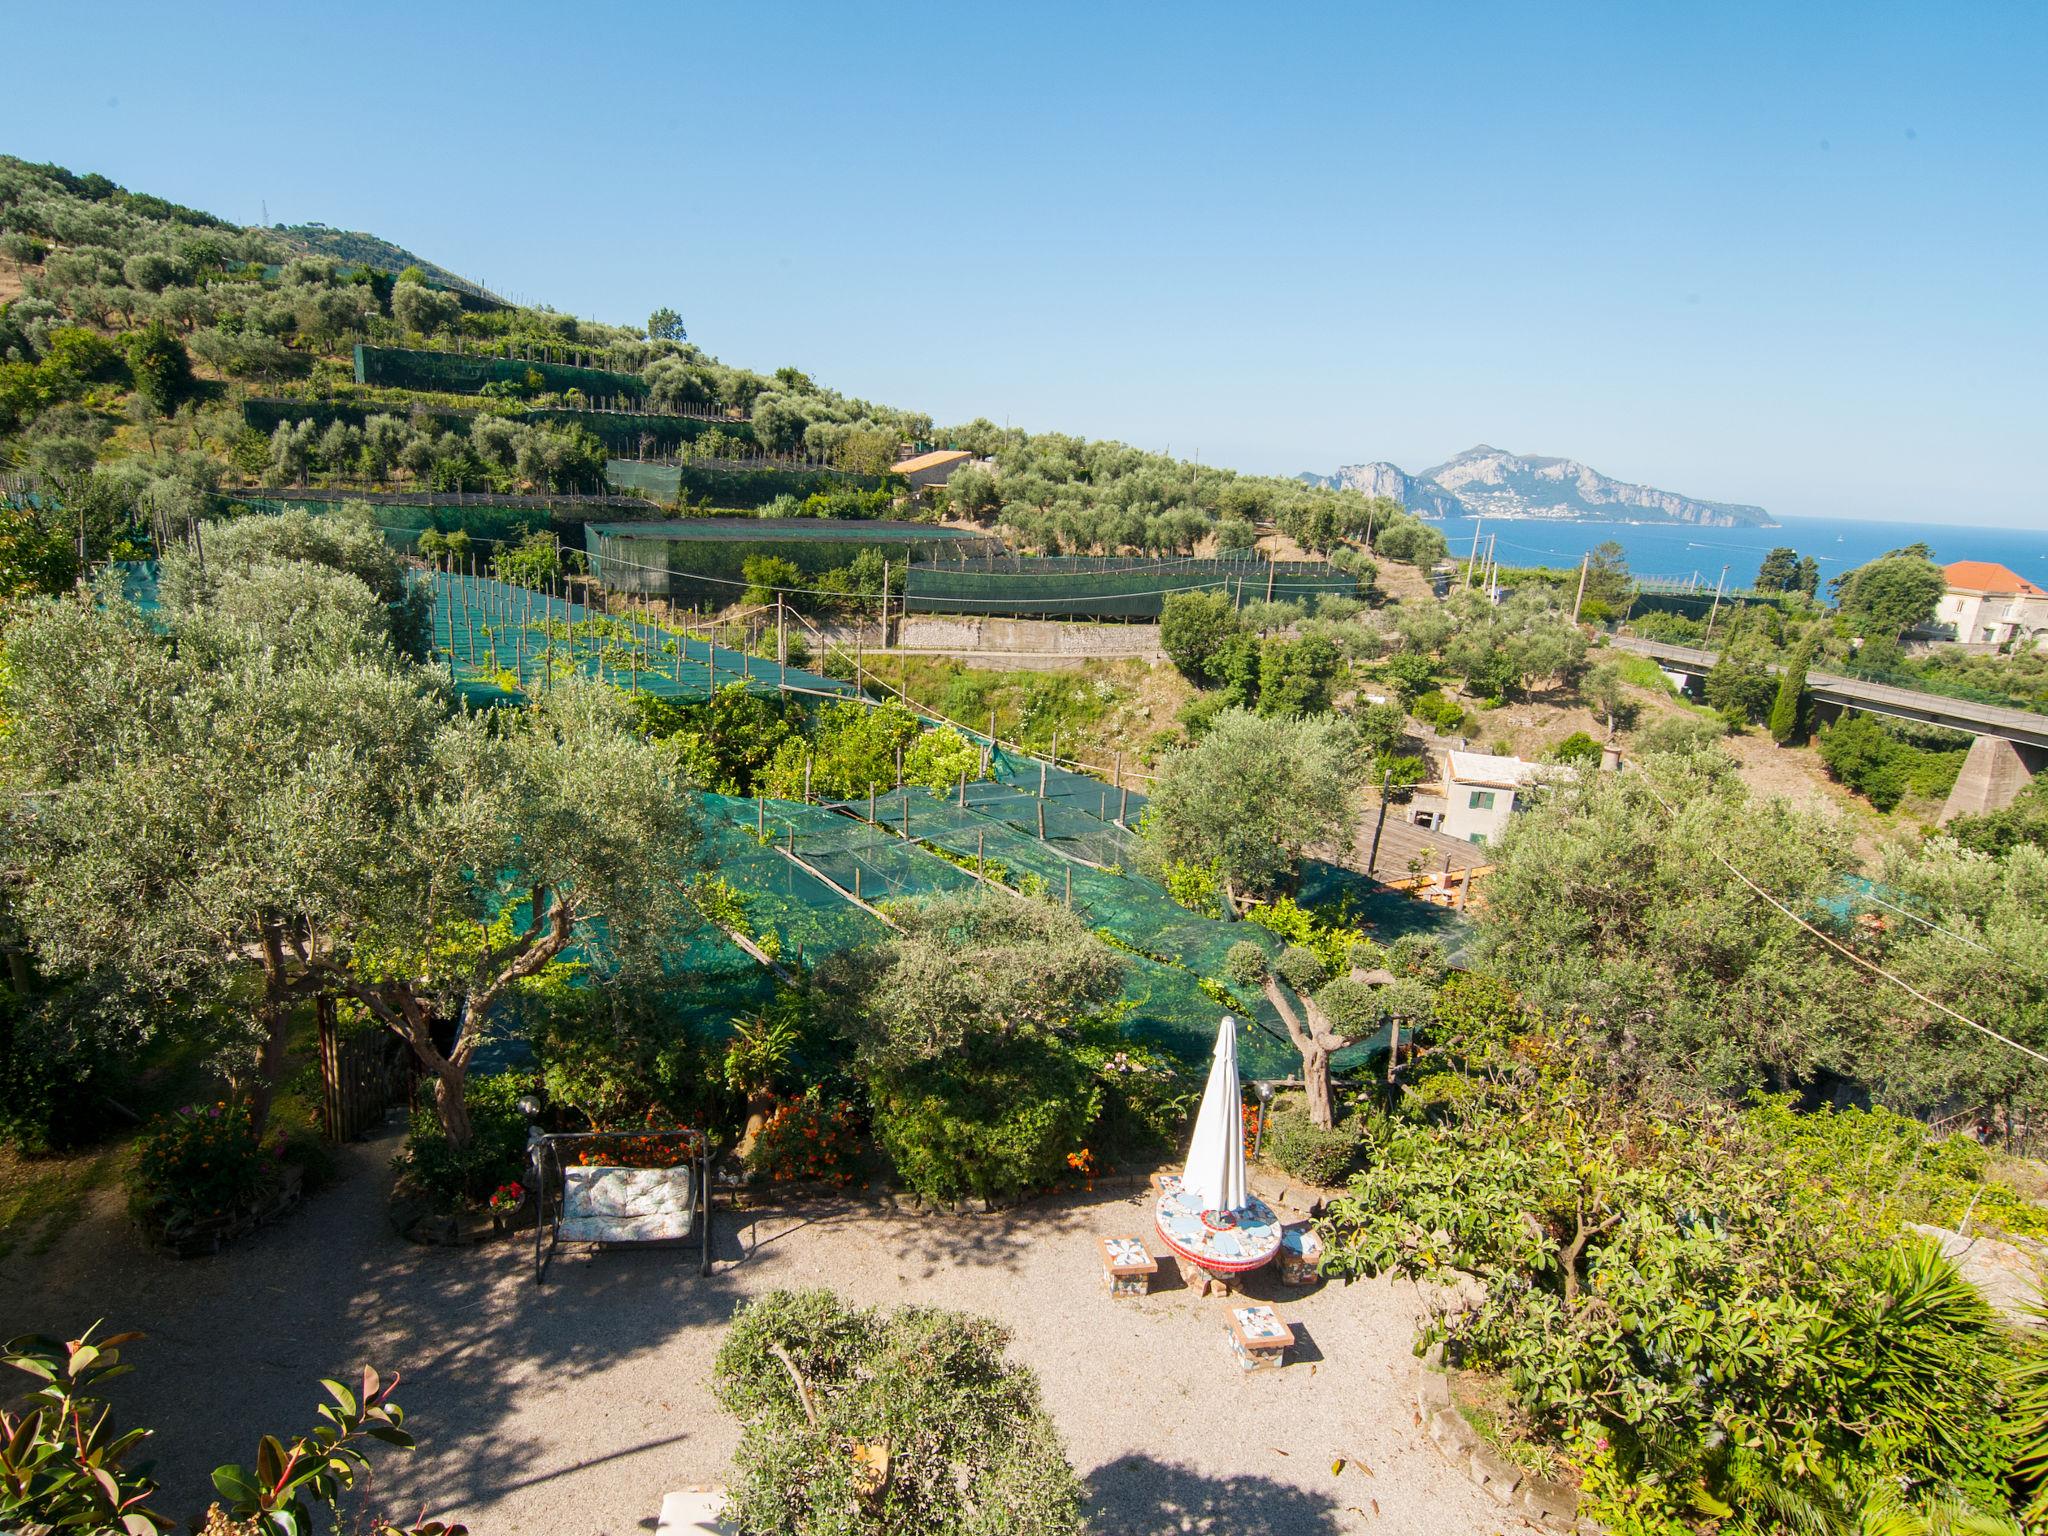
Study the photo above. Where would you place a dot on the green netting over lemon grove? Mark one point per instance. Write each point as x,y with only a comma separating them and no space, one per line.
1108,587
501,640
704,558
462,373
1166,1003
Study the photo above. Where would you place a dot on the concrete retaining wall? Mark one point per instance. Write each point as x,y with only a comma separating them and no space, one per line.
1026,637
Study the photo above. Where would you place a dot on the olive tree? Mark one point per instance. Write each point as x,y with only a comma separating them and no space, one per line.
188,816
1607,902
965,1031
196,815
1324,1013
1252,795
860,1423
348,541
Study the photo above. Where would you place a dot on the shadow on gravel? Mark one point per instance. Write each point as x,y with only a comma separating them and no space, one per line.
1140,1496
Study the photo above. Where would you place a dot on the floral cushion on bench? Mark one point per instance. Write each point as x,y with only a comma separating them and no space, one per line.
626,1205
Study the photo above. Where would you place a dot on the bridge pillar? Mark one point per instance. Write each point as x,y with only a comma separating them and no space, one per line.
1995,771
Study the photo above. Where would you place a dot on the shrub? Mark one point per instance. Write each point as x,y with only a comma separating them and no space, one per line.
1296,1144
995,1124
1620,1242
63,1458
1146,1096
200,1164
1577,748
812,1137
1435,710
620,1056
1198,887
449,1178
860,1423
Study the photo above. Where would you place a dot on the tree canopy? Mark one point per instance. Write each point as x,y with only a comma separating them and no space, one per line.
1252,795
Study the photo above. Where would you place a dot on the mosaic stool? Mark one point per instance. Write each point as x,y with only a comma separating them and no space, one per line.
1301,1255
1259,1339
1127,1269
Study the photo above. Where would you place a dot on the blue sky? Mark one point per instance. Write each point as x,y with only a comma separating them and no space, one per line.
1792,255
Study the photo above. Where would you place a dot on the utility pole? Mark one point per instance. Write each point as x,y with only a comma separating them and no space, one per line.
1716,608
1585,562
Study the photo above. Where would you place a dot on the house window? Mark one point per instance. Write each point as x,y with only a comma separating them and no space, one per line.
1482,800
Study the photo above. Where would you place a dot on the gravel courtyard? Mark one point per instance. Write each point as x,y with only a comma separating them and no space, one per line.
571,1408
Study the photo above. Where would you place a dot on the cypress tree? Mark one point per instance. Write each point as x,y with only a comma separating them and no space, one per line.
1790,705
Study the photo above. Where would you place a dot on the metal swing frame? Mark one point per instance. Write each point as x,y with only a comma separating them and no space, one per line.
549,1179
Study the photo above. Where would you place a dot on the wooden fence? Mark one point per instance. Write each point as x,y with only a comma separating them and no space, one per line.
363,1076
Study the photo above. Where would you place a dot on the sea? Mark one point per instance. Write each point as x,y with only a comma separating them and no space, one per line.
1677,551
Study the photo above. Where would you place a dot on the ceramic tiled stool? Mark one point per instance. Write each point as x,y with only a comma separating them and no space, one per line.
1301,1255
1259,1339
1127,1268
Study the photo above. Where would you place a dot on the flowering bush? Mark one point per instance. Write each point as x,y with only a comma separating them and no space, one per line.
813,1137
1083,1163
651,1146
200,1164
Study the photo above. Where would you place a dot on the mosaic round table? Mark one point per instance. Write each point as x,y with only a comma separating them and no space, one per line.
1222,1244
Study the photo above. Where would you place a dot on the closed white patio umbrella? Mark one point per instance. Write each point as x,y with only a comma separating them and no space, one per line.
1214,1179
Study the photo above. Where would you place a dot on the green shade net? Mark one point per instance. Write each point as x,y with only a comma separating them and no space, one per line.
502,641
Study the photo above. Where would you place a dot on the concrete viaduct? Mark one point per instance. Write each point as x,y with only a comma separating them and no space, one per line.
2011,745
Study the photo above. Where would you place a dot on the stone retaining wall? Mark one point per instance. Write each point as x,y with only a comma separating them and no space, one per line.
1550,1505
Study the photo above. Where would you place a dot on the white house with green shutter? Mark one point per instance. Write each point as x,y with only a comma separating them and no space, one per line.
1481,792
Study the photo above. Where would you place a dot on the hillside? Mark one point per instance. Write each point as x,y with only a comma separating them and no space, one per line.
159,362
368,250
1488,482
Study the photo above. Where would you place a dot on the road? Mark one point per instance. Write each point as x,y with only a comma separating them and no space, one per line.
2016,725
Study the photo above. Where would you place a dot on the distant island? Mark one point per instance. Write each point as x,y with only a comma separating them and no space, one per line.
1487,482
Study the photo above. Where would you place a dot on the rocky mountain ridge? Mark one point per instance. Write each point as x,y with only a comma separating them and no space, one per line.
1488,482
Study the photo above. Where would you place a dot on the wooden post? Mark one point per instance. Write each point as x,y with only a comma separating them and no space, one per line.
1041,821
963,789
906,818
807,778
1269,578
1372,858
981,852
761,813
1393,1046
1070,887
1041,778
1585,561
992,730
899,767
1123,805
856,881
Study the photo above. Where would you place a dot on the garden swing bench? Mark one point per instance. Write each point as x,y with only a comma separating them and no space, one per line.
583,1198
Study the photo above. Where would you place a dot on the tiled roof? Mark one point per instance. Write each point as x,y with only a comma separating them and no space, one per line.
1987,576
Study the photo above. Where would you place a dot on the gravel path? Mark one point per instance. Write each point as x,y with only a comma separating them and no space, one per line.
571,1408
